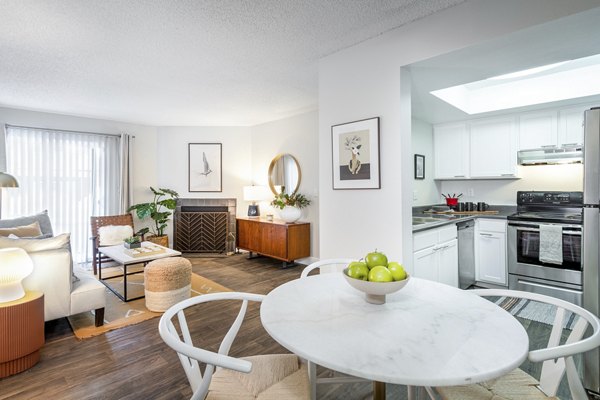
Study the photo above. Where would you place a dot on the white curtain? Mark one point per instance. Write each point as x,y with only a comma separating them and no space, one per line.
73,175
125,194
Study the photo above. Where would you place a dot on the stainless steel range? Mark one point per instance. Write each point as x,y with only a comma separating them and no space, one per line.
544,244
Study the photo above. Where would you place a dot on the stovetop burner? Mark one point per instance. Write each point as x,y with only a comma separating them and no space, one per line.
557,207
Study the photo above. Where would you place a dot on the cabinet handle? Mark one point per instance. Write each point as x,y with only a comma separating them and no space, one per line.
459,176
571,144
507,175
486,234
549,146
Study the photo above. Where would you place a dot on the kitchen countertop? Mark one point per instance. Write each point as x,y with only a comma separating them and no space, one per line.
444,219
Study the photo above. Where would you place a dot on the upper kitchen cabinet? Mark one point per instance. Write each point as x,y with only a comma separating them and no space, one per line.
493,148
451,151
538,129
570,125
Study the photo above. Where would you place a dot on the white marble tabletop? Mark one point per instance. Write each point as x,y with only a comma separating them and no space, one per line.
118,253
427,334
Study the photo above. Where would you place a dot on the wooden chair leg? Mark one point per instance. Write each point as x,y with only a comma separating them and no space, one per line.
99,316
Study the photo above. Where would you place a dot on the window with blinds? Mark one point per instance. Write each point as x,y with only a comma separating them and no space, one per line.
73,175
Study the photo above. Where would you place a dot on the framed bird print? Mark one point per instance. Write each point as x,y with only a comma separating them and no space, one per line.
205,167
355,154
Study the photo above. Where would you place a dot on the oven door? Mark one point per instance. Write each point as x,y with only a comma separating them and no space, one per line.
524,253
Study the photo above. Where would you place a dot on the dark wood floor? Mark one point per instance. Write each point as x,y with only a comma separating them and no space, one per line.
134,363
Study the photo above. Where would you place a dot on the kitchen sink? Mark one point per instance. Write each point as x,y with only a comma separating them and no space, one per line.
424,220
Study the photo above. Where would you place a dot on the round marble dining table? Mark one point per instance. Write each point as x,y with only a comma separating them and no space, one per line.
427,334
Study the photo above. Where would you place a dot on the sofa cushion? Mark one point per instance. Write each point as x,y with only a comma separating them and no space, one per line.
42,218
35,245
111,235
31,230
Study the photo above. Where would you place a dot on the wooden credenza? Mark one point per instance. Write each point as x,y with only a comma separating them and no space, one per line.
276,239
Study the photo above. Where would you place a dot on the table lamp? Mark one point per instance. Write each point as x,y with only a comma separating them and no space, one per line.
6,180
254,194
15,265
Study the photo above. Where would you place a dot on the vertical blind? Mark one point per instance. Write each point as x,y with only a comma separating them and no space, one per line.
73,175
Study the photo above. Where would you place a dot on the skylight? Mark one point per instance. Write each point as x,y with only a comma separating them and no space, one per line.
543,84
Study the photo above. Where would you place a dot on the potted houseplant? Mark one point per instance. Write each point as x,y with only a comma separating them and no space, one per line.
290,205
159,210
132,242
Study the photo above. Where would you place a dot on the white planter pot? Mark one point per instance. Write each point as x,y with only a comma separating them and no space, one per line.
290,214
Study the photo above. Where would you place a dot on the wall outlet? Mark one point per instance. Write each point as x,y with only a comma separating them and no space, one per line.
471,192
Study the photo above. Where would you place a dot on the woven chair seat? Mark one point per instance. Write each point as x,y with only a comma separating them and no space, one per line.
516,385
273,377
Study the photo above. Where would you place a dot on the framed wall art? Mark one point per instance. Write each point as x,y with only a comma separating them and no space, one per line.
419,166
355,147
205,167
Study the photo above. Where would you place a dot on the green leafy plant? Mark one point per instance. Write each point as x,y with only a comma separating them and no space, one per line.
159,210
282,200
132,240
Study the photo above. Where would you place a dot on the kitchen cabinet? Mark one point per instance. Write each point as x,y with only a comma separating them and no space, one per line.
493,148
538,129
451,151
570,125
490,251
435,255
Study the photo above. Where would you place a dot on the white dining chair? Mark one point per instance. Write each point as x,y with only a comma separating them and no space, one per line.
327,266
269,377
557,359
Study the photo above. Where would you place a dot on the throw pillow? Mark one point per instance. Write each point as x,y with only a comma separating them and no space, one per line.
33,245
31,230
114,234
42,218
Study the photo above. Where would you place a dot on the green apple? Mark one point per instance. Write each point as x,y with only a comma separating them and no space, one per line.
376,258
398,272
380,273
358,270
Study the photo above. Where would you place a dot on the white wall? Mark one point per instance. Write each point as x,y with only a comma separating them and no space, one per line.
425,191
144,144
172,162
539,177
365,81
297,136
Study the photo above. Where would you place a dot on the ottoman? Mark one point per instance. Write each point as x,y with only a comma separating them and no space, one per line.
167,281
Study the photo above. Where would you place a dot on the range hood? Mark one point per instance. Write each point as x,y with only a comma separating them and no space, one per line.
567,154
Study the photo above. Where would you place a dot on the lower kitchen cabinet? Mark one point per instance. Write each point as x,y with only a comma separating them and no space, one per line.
490,251
436,255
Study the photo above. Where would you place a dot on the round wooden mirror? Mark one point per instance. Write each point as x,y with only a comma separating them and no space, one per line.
284,174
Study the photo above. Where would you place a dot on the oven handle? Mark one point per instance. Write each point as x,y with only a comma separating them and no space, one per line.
553,287
577,233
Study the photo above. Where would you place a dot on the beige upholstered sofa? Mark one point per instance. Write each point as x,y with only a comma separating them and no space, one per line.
65,293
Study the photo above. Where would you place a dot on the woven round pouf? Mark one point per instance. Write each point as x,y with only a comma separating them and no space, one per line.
167,281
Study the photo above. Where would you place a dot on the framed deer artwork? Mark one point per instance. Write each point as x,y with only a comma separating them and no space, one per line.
204,167
355,147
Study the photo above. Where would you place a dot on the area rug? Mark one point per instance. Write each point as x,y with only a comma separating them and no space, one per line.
119,314
535,311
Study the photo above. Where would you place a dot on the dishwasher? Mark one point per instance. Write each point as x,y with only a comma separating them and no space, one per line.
466,253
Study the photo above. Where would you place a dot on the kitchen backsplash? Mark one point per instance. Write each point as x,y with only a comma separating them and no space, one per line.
568,177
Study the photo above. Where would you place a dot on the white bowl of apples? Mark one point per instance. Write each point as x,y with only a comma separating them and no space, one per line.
376,277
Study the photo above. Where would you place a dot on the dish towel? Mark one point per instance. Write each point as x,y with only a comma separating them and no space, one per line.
551,244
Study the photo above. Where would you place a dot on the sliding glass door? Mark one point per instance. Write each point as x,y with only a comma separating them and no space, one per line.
73,175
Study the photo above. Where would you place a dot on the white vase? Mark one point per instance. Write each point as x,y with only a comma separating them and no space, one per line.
290,214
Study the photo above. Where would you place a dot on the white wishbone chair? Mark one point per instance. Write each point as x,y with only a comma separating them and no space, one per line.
276,376
326,266
557,359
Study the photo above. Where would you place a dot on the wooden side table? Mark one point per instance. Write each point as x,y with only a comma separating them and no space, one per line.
21,333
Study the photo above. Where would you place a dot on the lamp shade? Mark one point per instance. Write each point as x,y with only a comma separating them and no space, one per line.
7,180
257,193
15,265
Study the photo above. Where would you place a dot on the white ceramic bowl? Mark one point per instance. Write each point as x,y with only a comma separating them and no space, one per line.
375,291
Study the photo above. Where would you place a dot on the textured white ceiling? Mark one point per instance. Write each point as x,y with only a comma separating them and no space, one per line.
182,62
